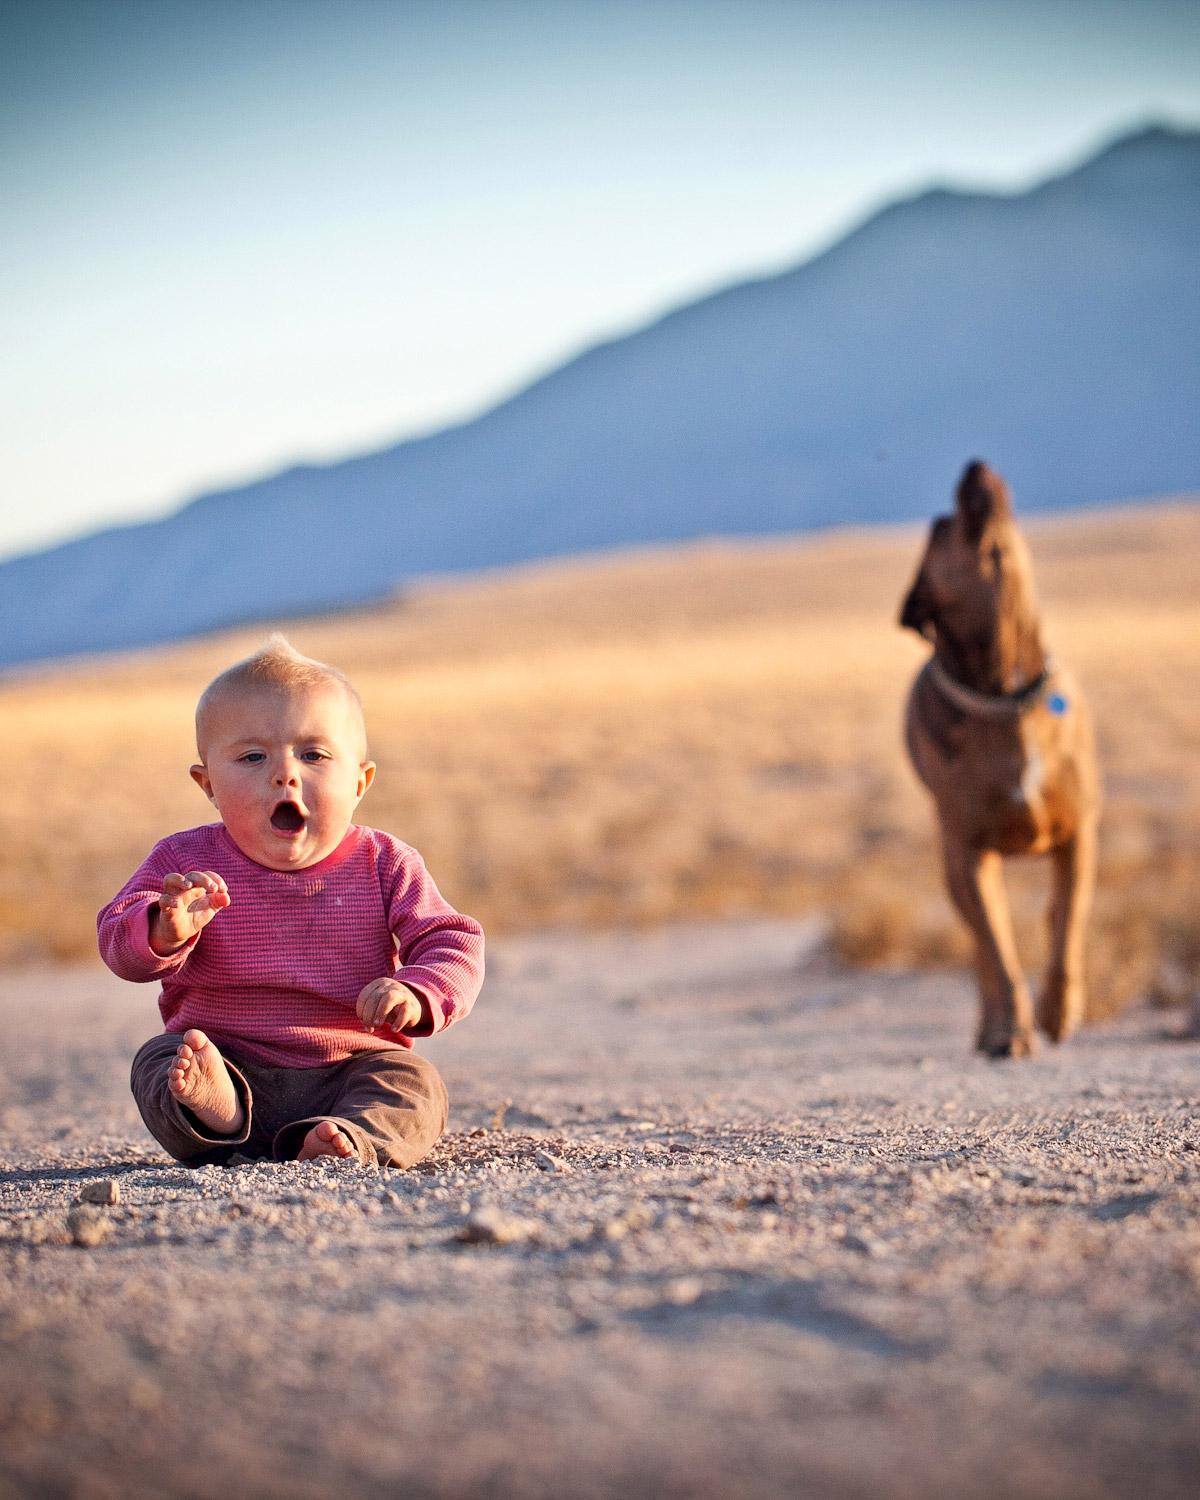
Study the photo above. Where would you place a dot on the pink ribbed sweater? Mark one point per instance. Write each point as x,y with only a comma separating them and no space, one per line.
275,975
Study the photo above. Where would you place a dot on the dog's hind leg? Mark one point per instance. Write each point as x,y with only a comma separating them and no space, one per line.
975,878
1063,997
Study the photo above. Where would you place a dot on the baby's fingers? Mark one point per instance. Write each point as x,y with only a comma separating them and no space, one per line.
218,891
180,892
173,887
370,1002
211,885
406,1012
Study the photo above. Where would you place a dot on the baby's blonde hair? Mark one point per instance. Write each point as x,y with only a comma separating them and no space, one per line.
275,665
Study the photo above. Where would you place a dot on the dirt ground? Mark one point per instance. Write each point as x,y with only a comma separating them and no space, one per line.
774,1232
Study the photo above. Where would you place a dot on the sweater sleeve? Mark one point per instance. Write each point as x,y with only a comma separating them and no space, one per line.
123,926
440,951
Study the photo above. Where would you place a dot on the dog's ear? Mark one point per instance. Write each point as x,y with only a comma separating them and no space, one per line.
919,611
982,496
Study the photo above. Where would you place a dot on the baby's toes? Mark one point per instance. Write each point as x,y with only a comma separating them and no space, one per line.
325,1139
339,1142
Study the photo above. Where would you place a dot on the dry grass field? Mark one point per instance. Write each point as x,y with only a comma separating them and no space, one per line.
714,729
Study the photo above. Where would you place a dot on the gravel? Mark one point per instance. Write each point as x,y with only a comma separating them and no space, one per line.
688,1235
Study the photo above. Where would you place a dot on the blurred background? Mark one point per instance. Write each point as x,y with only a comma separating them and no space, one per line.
580,377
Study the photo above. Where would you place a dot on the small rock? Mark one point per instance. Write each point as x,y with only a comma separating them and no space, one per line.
683,1291
863,1244
767,1196
548,1163
492,1226
88,1226
104,1190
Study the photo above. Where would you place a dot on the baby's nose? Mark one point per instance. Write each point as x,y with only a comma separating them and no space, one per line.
286,776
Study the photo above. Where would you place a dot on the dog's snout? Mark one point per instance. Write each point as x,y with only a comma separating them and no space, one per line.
916,611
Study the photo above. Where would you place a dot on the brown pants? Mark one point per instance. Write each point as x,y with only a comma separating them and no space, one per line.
392,1105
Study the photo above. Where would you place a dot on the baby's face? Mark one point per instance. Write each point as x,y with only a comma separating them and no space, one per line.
286,769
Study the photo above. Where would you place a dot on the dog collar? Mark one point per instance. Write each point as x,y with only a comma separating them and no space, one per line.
993,705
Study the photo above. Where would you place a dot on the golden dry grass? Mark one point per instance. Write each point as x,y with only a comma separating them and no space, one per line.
714,729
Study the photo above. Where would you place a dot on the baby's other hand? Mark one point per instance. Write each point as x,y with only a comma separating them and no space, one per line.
387,1002
187,905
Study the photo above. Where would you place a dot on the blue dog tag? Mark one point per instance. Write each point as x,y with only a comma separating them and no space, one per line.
1057,704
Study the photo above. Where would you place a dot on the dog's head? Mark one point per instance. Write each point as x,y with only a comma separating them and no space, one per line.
973,593
982,499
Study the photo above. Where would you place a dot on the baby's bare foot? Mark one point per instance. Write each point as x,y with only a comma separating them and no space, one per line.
199,1078
325,1139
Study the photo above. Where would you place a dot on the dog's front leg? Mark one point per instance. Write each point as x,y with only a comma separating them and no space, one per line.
1063,997
975,878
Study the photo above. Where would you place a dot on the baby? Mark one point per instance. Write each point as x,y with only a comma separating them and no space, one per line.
299,953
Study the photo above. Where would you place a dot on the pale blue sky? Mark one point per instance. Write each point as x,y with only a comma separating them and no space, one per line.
241,233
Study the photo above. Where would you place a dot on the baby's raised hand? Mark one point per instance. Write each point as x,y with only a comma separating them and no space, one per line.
387,1002
188,903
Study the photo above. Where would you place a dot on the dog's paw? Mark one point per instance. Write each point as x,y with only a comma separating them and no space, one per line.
1060,1009
1006,1042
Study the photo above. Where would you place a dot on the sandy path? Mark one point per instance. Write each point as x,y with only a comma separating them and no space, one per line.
787,1237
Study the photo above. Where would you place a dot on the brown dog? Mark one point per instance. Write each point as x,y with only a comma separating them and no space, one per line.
1002,739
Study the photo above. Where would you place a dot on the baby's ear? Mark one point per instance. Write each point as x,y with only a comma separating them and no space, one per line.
366,775
200,776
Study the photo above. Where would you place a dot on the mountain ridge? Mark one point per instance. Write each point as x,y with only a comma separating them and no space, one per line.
847,388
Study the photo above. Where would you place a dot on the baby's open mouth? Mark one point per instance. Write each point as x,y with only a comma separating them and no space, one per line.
287,818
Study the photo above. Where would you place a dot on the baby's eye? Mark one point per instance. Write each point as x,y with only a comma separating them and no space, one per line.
314,755
252,757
